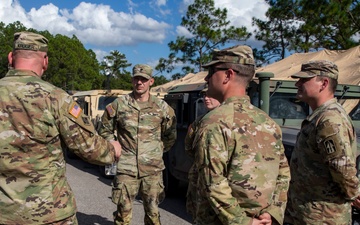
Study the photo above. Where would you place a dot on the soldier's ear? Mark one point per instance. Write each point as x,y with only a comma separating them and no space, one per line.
152,80
10,59
324,84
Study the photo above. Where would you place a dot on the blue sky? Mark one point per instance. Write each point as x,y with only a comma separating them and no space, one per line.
141,29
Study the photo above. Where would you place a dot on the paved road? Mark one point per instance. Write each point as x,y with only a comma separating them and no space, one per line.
93,194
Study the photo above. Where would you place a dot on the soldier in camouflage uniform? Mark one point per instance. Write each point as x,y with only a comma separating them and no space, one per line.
37,120
323,174
146,127
210,104
243,174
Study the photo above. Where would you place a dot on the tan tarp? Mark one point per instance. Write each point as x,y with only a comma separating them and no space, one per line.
348,62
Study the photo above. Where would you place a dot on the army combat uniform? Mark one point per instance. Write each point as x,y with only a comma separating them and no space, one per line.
324,160
37,121
145,131
242,168
192,174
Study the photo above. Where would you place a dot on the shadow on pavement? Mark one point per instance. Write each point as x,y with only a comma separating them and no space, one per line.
88,168
84,219
176,203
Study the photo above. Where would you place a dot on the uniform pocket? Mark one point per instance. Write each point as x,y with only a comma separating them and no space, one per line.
161,195
116,193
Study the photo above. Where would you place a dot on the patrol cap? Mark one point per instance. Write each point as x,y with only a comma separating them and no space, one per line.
142,70
204,90
239,54
30,41
318,68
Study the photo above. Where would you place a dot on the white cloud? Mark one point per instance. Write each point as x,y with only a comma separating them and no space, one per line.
160,2
11,11
98,25
182,31
239,13
100,54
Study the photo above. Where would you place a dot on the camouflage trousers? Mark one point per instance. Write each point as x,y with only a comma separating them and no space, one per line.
191,192
124,190
72,220
299,212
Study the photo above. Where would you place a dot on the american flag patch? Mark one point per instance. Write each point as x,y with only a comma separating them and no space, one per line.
110,110
75,110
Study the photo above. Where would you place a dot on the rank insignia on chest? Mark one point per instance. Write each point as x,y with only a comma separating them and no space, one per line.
75,110
330,146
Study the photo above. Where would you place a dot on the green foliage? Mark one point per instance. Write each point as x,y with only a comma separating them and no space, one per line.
307,25
114,69
209,29
6,40
159,80
71,66
277,32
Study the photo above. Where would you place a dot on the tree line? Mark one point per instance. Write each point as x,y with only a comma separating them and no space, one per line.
71,65
291,26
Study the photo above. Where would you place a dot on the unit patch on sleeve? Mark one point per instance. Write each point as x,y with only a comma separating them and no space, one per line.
330,146
75,110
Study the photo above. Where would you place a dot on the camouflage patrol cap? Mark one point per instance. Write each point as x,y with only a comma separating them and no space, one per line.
204,90
239,54
142,70
30,41
318,68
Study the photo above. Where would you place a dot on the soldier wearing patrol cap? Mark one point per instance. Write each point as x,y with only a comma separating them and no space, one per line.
210,104
323,174
242,170
146,128
37,120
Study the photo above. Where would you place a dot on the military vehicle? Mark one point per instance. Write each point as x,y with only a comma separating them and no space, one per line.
93,103
275,97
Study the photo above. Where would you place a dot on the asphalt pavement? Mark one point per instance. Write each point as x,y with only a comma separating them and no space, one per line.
93,198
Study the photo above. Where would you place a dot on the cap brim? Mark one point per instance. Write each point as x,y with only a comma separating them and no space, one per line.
210,63
142,75
302,74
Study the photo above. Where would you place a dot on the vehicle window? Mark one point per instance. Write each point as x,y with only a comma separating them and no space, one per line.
284,106
83,104
355,113
104,101
285,109
200,107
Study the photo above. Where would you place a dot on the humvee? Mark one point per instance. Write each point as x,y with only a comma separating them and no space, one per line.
275,97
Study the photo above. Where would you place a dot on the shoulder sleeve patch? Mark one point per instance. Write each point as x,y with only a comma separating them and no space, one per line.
330,146
75,110
110,109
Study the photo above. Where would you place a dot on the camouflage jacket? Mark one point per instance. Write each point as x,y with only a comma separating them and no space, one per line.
242,168
323,172
36,120
190,135
144,133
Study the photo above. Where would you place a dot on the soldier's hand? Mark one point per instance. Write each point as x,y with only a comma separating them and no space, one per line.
356,202
264,219
117,148
261,222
